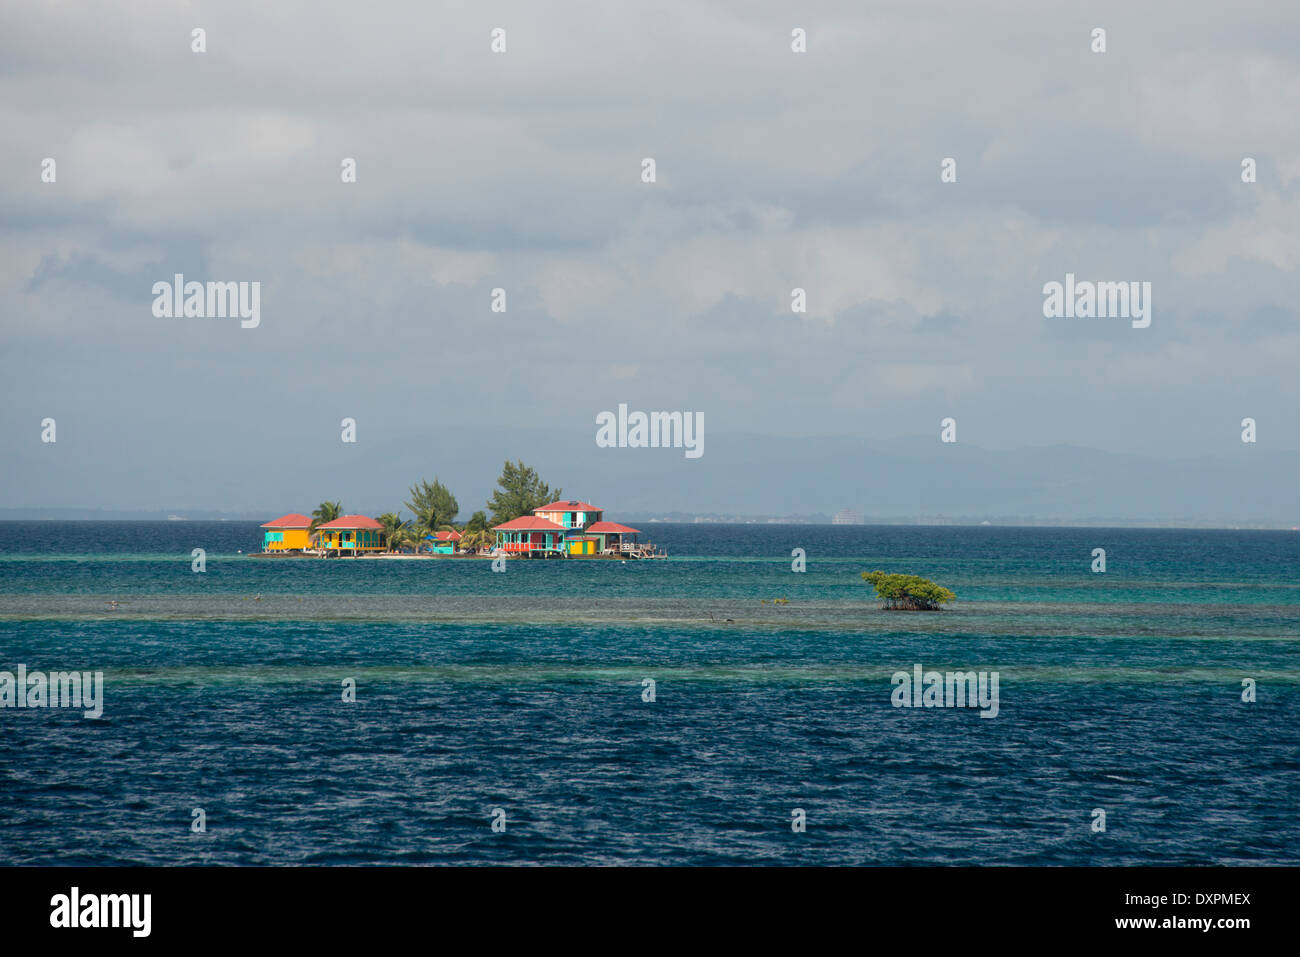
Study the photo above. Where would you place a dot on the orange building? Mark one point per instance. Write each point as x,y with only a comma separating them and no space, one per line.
288,533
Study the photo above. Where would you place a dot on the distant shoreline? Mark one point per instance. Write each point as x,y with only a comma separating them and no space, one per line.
37,515
457,557
364,556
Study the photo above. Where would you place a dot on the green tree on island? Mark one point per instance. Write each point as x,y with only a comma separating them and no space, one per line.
397,533
476,535
520,490
434,507
907,592
477,540
325,512
402,539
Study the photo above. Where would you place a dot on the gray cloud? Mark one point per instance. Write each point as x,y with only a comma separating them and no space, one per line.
521,171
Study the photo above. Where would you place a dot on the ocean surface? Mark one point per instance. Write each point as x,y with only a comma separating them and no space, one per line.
484,696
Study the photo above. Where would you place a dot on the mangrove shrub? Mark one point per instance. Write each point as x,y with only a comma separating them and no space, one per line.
907,592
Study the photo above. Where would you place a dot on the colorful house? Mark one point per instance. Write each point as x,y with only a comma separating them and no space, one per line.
443,543
287,533
581,544
612,537
354,533
566,528
575,518
530,535
571,514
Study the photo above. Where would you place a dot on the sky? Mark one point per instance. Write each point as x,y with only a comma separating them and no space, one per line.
523,171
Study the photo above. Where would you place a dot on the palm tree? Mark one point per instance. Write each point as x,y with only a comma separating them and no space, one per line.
403,538
324,513
396,531
476,539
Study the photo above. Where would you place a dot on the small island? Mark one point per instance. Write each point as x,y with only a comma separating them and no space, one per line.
907,592
529,520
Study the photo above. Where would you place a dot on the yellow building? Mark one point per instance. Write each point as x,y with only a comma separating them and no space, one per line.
287,533
582,545
352,533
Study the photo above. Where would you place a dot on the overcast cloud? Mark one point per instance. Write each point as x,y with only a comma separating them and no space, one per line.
522,171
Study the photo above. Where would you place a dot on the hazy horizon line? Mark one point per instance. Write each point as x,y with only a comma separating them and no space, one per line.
679,518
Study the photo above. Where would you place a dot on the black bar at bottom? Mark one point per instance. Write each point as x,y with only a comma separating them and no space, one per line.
649,905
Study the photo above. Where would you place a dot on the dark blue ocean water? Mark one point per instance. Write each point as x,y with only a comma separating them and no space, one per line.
523,691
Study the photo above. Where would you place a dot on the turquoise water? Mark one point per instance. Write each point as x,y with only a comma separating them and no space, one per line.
523,691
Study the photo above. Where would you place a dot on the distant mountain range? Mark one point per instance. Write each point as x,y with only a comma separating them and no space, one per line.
739,478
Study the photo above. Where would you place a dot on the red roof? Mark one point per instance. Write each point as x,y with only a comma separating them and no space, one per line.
528,523
445,536
607,528
292,520
569,507
352,521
